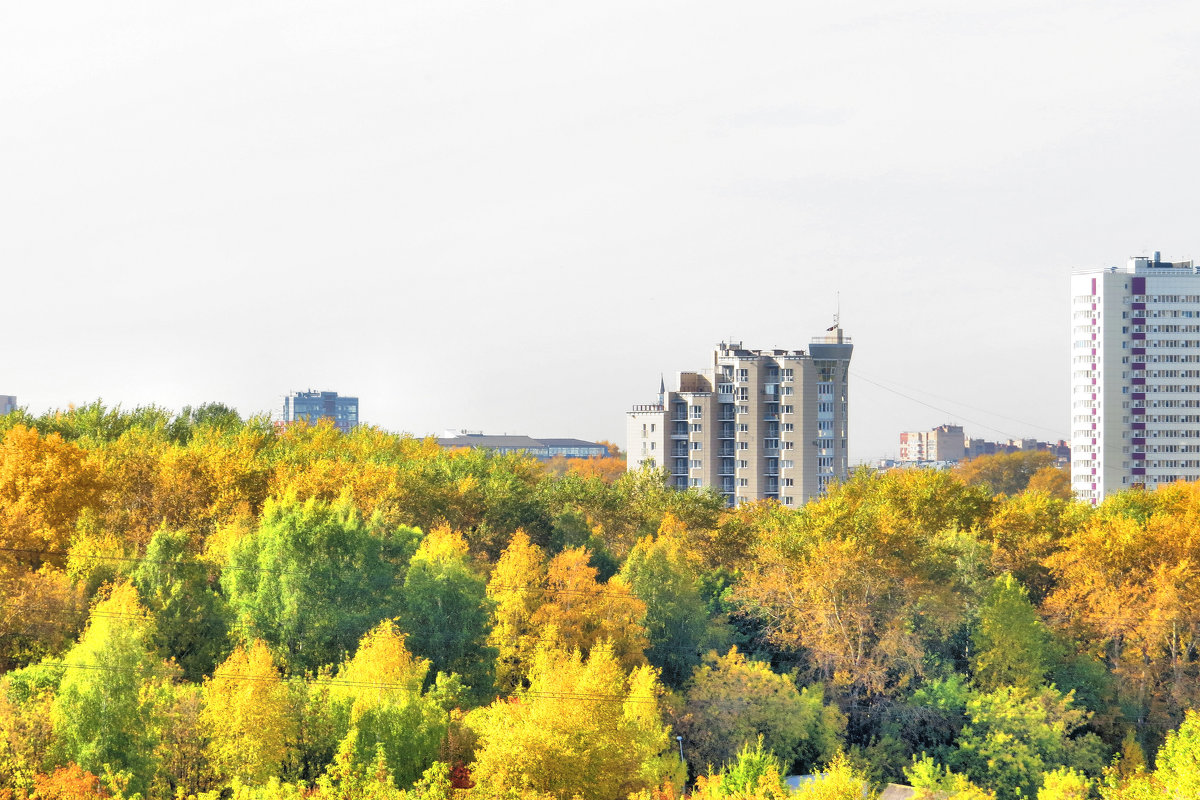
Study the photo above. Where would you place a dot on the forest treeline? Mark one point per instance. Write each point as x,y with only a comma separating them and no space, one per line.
194,604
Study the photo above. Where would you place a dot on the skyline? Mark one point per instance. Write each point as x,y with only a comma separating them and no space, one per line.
515,219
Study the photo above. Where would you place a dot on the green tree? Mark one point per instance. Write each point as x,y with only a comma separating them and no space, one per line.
447,613
103,716
1178,760
1014,735
676,620
732,701
191,620
313,578
1011,645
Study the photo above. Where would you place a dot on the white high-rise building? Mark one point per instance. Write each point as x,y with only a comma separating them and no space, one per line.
756,424
1135,376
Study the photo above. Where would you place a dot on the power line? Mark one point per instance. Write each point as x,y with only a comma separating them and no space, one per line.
955,414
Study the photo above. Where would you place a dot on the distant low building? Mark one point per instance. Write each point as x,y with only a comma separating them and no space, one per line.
312,406
542,449
980,447
8,404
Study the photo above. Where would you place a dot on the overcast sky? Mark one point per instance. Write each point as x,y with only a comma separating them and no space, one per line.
513,216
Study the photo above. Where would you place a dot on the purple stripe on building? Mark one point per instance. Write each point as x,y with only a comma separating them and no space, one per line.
1139,306
1093,285
1138,285
1138,412
1137,396
1139,365
1139,351
1139,470
1139,381
1139,440
1139,456
1135,336
1139,426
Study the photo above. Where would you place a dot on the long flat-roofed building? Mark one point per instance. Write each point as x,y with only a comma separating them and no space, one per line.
756,424
543,449
1135,376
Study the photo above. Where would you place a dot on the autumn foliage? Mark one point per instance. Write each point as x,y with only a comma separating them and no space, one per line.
197,605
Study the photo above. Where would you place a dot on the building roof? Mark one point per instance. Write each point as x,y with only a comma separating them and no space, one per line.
569,443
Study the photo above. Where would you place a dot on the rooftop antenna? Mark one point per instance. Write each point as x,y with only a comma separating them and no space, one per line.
837,315
662,389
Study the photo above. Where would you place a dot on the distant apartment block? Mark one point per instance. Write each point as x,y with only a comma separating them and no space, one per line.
8,404
1135,376
542,449
756,424
943,443
312,406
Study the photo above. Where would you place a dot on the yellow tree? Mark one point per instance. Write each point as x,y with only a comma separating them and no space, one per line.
248,716
45,483
584,728
856,579
518,589
378,696
1128,586
583,612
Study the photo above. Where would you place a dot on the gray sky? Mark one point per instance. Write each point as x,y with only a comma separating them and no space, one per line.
513,216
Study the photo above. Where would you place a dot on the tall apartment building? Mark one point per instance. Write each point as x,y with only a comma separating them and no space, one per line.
756,424
943,443
8,404
1135,376
311,406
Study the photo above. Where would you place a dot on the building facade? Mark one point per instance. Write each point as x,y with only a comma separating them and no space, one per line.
757,424
1135,376
8,404
943,443
312,406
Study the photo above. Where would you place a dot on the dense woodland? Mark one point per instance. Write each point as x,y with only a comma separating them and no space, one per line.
195,604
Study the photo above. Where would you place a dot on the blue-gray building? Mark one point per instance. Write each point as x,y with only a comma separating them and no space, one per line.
312,406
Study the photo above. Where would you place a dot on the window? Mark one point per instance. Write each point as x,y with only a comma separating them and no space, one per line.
743,464
697,445
742,445
743,393
788,409
789,482
787,374
695,483
743,375
653,445
652,427
696,464
743,481
743,428
787,463
697,427
697,412
788,427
